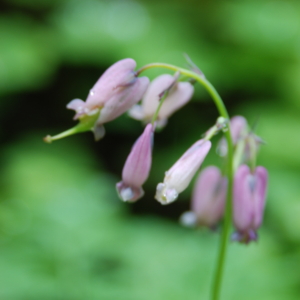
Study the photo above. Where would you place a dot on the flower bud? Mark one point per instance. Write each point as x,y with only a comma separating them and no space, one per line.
178,95
180,175
248,202
117,90
238,129
209,197
137,167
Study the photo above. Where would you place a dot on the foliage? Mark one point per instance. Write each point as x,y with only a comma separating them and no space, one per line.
63,232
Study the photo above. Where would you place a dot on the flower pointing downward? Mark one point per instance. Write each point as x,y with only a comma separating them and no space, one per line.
179,93
180,175
208,201
137,167
248,202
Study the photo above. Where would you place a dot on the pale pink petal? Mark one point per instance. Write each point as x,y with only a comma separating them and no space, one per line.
178,177
136,112
153,94
261,175
242,199
238,126
116,77
78,105
209,196
179,95
122,100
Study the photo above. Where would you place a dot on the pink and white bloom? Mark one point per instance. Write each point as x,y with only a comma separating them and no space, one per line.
208,200
116,91
249,197
179,94
137,167
181,173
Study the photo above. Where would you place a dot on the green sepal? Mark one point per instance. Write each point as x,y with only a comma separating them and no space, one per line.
86,123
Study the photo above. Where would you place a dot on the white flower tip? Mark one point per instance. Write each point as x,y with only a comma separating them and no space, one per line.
165,195
160,124
136,112
79,106
128,193
188,219
76,104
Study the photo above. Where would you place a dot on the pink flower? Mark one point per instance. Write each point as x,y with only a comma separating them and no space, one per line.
137,167
179,94
117,90
180,175
208,201
249,202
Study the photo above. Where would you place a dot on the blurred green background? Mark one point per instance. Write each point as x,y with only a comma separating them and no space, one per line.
64,234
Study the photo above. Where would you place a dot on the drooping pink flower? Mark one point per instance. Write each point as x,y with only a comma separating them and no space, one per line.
137,167
178,95
181,173
116,91
248,202
208,200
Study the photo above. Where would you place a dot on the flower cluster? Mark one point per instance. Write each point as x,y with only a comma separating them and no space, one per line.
119,90
249,188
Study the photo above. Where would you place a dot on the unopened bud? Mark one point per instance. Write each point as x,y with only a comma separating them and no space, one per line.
180,175
137,167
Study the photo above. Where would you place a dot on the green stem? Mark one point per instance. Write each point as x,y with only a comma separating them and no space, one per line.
165,95
216,286
155,116
211,132
86,123
49,139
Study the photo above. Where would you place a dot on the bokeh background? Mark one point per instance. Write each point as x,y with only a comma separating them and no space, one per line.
64,234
